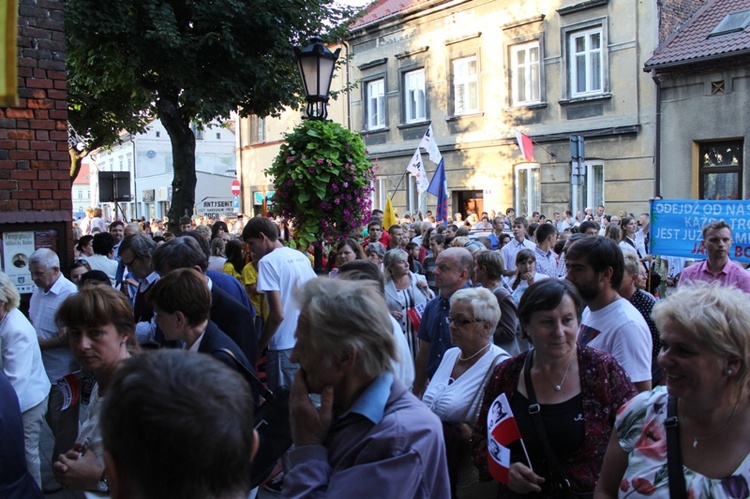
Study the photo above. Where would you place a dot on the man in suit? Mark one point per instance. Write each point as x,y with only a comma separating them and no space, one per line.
229,315
182,306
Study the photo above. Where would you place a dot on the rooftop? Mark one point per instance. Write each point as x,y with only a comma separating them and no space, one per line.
718,29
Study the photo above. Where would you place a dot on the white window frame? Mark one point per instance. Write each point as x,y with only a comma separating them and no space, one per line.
260,129
415,105
594,184
379,193
590,56
531,70
464,83
375,104
412,196
528,188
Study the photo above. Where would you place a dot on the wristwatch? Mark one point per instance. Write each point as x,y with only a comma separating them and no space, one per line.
103,484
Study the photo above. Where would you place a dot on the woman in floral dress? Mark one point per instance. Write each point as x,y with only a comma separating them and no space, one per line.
705,334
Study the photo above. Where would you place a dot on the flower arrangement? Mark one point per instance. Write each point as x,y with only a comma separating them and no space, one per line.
322,179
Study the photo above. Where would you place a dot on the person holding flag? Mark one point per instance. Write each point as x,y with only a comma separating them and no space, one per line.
573,391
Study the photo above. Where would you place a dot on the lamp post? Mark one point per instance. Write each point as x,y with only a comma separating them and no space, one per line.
316,64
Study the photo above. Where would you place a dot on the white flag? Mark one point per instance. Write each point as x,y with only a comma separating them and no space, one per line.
416,168
428,144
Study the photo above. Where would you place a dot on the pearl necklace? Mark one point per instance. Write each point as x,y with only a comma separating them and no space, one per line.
461,359
565,375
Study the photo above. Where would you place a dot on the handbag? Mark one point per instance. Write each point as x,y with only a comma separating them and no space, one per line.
558,474
468,483
271,421
674,452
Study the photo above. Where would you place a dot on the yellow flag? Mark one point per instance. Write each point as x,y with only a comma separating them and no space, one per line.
8,30
389,217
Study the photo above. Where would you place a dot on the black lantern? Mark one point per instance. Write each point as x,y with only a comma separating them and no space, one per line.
316,65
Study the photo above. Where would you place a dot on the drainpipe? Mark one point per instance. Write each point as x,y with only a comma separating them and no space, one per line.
657,152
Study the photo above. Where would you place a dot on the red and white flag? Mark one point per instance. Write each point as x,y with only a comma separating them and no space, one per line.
502,431
70,389
526,145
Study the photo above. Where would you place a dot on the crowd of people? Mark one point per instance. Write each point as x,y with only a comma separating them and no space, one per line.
395,360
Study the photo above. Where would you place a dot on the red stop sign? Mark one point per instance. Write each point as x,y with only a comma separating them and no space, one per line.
235,187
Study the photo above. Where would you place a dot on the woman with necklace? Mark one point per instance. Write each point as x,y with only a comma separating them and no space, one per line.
578,391
404,290
704,357
455,391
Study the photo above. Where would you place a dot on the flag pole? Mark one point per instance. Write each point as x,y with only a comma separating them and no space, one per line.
399,183
528,460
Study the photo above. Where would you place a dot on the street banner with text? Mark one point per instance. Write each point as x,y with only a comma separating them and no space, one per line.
677,224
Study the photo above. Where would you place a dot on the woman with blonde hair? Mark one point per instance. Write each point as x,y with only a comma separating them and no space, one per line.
704,358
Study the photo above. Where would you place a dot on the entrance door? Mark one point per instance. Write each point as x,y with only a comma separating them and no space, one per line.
465,201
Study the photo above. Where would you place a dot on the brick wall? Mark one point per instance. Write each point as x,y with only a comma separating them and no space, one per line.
674,13
34,161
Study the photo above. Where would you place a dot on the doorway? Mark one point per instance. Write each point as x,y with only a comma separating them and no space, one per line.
466,201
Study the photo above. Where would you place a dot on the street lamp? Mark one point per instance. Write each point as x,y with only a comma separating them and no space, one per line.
316,64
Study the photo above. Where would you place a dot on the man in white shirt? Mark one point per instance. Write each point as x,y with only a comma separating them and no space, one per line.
51,291
519,242
280,271
609,323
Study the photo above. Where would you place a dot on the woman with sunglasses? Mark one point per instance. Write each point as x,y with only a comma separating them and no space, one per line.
79,267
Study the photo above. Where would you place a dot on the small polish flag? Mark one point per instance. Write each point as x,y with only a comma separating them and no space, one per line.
527,147
502,431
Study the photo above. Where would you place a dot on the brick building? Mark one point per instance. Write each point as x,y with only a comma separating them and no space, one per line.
35,181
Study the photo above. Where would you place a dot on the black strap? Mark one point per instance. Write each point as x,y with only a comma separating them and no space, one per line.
627,240
536,416
674,453
249,374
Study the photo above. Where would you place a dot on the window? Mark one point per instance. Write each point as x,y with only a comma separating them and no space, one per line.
465,86
158,134
528,187
375,104
379,193
591,191
412,197
586,67
732,23
260,129
196,131
414,101
720,165
218,135
525,78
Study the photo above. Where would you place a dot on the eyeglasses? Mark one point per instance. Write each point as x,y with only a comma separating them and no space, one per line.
131,261
81,260
462,322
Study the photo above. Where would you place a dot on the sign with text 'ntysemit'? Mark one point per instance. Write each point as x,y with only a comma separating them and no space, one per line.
677,224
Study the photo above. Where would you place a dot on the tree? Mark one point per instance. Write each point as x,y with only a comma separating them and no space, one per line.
187,61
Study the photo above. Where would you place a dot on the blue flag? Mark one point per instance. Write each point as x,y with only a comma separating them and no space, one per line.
439,187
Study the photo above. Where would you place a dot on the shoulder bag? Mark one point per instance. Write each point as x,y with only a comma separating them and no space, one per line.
271,421
558,474
677,486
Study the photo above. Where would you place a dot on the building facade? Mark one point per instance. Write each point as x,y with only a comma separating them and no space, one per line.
479,71
147,157
702,73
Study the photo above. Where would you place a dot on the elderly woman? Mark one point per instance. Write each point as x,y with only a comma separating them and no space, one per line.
375,252
578,391
488,273
98,322
455,391
526,273
705,355
632,289
21,363
404,290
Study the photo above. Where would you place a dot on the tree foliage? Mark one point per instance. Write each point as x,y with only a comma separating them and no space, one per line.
186,61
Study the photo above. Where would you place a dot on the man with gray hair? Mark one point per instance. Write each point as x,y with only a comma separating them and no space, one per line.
369,435
52,289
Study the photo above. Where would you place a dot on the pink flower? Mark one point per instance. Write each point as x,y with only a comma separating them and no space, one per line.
289,159
346,184
319,161
311,170
652,442
643,486
337,201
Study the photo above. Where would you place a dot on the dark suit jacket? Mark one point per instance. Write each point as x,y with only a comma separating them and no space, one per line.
232,287
215,339
15,480
235,320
